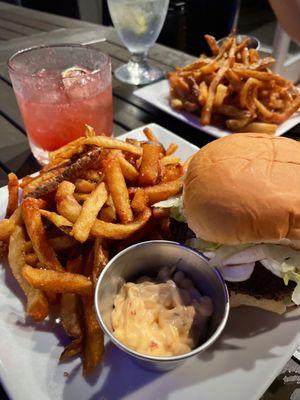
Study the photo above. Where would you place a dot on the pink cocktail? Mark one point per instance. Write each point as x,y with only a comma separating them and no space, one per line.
59,90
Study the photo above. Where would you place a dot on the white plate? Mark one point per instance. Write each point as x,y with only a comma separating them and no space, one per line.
241,365
157,94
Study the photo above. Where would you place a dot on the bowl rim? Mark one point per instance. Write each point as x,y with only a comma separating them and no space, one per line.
11,68
243,36
162,359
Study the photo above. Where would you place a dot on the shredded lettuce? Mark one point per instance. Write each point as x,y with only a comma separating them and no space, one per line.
202,245
175,205
295,277
175,201
236,263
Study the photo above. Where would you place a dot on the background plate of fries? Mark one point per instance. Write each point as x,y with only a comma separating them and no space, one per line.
158,94
255,344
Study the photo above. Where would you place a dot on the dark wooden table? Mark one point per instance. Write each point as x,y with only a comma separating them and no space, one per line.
20,28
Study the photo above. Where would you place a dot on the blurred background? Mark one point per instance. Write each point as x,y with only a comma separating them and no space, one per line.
188,20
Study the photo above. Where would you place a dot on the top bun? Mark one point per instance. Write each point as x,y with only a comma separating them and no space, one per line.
244,188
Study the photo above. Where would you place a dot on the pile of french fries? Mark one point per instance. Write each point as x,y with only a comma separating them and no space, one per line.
93,199
234,88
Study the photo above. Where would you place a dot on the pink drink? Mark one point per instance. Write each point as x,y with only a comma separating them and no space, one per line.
51,125
56,104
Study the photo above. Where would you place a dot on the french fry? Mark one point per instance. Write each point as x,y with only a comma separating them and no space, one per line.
6,228
89,131
276,117
71,350
150,135
245,56
36,231
117,188
172,172
260,75
70,315
93,349
31,259
128,170
253,56
37,303
92,175
203,92
241,45
62,242
237,124
58,220
75,265
149,170
66,204
161,191
176,103
250,84
171,149
25,180
100,259
108,212
167,160
13,194
261,127
84,186
140,201
81,197
212,44
232,111
7,225
208,105
117,231
76,146
88,213
57,282
108,143
221,93
49,181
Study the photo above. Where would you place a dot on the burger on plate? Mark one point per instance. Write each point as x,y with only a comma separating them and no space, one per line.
241,199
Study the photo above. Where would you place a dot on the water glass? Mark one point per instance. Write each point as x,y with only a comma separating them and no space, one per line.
138,23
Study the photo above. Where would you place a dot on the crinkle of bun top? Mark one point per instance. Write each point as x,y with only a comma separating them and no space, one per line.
244,188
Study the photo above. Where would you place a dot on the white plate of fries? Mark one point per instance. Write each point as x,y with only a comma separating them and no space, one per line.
244,361
234,90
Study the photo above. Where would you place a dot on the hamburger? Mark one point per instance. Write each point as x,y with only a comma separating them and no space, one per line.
241,198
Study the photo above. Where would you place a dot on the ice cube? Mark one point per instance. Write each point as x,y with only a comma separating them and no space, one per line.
77,82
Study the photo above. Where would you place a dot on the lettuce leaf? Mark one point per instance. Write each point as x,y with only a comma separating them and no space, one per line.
236,263
175,205
202,245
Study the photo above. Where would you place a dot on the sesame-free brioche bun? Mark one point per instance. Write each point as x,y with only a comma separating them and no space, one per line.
244,188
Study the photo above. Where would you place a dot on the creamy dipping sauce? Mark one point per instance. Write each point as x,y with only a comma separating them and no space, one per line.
162,317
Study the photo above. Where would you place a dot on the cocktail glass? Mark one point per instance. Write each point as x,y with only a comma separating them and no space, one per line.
60,89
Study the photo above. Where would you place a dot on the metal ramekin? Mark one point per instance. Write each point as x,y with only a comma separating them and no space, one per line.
254,43
148,258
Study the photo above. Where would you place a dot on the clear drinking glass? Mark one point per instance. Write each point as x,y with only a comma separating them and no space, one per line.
59,89
138,23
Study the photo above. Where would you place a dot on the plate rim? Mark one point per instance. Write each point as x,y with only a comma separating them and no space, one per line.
211,130
283,359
